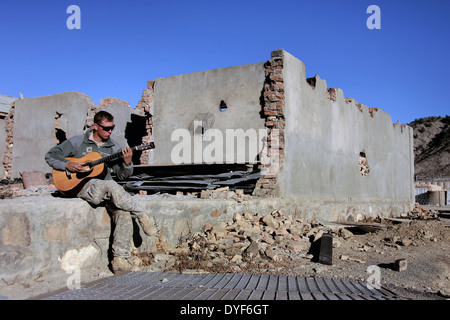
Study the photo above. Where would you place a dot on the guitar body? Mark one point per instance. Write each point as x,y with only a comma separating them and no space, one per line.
70,183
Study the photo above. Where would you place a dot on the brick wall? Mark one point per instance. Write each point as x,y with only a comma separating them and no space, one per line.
9,127
273,110
144,106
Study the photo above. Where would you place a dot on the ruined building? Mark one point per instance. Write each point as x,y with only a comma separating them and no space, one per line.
309,142
287,140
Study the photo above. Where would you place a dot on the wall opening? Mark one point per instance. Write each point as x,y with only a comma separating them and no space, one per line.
223,106
60,134
364,168
135,132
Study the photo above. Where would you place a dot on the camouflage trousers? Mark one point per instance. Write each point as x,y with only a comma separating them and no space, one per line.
122,208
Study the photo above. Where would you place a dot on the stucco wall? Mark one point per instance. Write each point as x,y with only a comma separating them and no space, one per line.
179,100
324,138
34,127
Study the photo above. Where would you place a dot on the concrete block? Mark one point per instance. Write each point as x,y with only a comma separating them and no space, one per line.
400,265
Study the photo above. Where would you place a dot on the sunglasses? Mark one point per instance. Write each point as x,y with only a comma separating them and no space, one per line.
107,128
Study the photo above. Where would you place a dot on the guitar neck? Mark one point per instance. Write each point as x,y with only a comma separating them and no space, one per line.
112,157
115,156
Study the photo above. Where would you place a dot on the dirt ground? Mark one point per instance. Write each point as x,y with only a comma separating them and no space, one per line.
424,242
251,244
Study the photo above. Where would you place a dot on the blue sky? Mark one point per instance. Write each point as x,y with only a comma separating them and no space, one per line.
402,68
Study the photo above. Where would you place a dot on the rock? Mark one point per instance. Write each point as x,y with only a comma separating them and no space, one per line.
270,221
236,258
347,258
163,261
135,261
237,217
336,243
231,252
296,246
248,216
252,251
318,235
345,234
267,238
296,230
400,265
272,255
405,242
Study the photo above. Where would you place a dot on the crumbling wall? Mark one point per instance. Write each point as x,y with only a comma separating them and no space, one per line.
341,156
273,105
31,128
309,141
145,108
318,145
34,125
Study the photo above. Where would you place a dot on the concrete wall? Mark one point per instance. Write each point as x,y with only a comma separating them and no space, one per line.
47,235
34,126
321,135
323,141
179,100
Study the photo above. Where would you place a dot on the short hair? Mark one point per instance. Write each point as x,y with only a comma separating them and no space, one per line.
103,115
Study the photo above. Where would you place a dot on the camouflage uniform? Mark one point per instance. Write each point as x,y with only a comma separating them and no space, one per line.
121,206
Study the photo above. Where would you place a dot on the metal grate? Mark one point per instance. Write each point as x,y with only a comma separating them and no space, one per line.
222,286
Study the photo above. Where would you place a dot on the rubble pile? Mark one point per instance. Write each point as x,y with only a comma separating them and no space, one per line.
247,241
277,241
420,212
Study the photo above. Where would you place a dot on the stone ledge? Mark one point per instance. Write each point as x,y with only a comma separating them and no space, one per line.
44,234
47,235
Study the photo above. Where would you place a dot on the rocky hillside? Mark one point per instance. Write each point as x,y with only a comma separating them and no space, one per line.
432,147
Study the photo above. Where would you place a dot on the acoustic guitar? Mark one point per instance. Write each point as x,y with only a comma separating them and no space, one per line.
70,183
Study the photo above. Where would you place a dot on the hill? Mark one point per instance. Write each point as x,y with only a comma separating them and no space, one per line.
431,147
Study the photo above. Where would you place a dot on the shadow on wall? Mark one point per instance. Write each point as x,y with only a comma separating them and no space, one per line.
134,132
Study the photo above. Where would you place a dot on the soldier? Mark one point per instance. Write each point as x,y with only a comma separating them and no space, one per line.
97,191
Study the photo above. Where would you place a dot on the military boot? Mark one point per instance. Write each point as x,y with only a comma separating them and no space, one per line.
147,225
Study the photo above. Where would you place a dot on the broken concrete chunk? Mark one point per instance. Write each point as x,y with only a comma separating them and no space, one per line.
270,221
345,234
33,179
252,250
270,253
400,265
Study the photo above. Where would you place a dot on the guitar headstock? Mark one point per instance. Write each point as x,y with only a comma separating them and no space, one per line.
145,146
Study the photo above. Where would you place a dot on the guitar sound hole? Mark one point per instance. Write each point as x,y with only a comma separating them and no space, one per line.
82,175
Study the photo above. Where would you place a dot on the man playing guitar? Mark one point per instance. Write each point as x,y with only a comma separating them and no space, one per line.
101,188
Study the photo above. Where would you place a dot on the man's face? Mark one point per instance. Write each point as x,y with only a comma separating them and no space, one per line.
104,129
